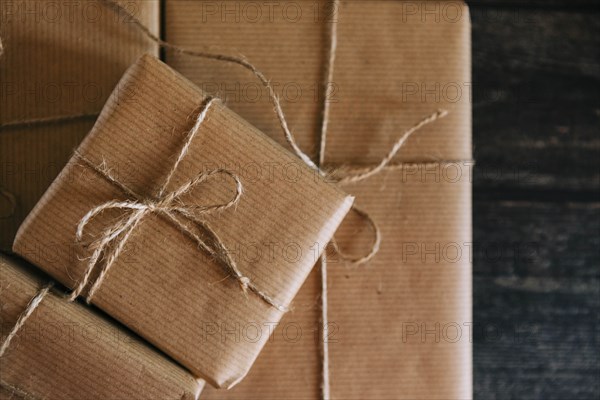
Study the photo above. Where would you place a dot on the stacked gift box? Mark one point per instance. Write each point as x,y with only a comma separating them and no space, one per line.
184,207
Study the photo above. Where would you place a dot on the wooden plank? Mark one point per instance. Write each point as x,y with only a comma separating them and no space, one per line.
538,240
536,344
536,299
536,98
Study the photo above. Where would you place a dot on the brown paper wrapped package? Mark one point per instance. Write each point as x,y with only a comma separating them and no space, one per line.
60,58
67,351
164,286
400,325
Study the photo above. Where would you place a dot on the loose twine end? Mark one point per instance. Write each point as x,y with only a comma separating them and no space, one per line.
365,173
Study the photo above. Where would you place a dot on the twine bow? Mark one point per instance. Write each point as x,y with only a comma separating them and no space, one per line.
173,208
170,205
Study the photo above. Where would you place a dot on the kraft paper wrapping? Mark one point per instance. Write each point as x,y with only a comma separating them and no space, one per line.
164,286
60,58
400,326
67,351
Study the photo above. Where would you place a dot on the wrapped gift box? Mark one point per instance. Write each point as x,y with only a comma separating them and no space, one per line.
66,350
60,62
400,326
165,286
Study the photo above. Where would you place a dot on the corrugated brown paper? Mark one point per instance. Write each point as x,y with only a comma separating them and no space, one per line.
67,351
61,58
400,326
164,286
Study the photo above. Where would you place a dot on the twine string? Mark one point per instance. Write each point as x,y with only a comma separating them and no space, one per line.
388,158
31,307
111,242
139,207
289,136
352,177
329,68
119,9
277,108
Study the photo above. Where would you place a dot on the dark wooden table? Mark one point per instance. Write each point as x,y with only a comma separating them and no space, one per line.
536,73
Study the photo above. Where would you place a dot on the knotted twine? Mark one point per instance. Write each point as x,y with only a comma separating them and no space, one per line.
169,205
115,237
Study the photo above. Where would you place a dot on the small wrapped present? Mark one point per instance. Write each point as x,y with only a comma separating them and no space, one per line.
51,348
58,64
399,326
184,222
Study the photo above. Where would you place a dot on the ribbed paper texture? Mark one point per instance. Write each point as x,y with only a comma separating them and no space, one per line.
393,321
67,351
60,59
164,286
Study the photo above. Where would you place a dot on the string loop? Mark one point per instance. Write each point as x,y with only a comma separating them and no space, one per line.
109,245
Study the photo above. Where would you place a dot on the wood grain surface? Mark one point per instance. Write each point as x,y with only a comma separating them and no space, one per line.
536,106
